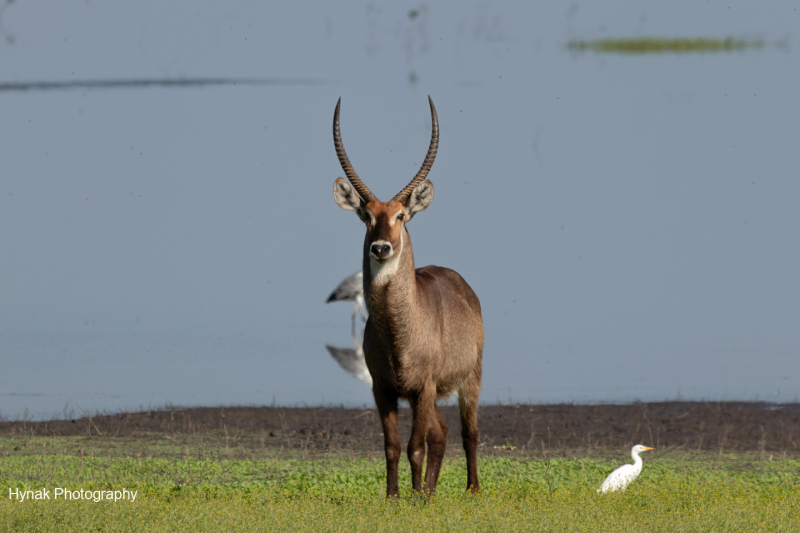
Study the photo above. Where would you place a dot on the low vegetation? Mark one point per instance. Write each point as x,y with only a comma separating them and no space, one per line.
716,467
648,506
185,488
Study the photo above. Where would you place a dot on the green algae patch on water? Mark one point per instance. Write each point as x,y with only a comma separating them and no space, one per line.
656,45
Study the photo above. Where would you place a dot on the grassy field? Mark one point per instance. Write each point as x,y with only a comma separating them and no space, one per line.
185,487
649,506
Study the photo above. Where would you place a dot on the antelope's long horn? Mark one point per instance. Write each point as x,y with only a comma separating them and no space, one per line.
359,186
403,195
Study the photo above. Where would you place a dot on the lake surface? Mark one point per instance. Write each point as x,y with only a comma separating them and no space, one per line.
629,222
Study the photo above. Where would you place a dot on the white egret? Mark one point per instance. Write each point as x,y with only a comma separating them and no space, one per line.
619,478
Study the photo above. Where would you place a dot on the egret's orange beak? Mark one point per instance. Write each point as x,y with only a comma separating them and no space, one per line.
647,448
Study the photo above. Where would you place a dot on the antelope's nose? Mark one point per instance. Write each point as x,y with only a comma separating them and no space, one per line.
381,252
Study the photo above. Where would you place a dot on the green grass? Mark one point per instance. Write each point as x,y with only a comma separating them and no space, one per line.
191,488
653,45
344,477
646,506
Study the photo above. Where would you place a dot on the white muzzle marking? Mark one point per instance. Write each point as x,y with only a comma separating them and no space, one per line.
383,272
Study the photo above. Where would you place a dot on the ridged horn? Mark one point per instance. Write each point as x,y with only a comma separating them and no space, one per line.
403,195
358,185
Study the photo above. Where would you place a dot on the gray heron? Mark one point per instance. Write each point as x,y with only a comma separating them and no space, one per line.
349,290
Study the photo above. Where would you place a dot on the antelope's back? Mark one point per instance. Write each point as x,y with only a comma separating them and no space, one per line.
456,311
448,284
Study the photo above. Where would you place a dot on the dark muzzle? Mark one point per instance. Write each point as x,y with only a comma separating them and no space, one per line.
381,252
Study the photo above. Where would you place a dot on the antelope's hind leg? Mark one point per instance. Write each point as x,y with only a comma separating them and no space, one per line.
437,442
387,409
468,409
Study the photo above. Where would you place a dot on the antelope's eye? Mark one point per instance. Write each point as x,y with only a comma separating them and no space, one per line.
401,217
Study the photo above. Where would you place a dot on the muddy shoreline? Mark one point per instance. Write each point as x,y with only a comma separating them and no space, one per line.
689,426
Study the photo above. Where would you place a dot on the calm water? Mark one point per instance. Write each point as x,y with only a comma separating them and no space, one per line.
629,223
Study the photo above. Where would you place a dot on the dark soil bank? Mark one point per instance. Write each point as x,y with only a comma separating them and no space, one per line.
690,426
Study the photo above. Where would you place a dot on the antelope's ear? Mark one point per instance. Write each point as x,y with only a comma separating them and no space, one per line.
347,198
420,198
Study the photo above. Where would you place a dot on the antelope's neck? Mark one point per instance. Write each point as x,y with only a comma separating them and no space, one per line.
390,291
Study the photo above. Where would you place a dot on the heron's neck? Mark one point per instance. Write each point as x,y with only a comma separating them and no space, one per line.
637,461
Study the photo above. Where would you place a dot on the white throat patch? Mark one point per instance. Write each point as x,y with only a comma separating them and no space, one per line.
382,274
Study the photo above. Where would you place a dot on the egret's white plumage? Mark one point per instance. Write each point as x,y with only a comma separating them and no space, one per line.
622,476
348,290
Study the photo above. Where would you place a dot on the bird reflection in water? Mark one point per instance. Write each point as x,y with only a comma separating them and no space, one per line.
352,361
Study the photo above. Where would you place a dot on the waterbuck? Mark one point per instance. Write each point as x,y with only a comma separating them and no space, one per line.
424,336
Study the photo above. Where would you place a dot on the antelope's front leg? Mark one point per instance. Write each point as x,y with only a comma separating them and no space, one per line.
422,407
387,409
